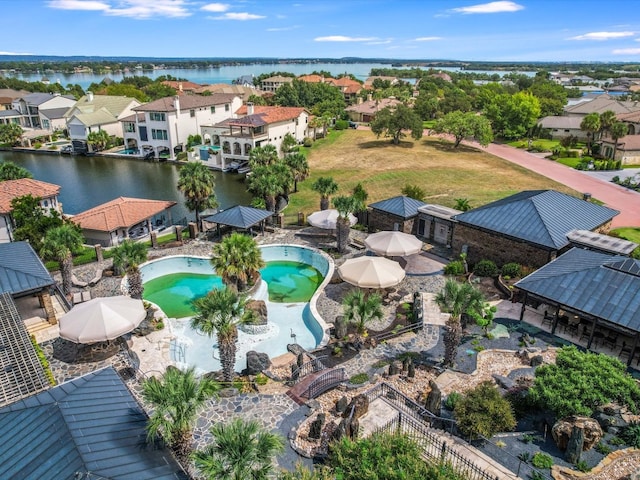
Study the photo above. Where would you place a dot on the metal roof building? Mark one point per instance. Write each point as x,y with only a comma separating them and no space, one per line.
240,217
397,213
21,270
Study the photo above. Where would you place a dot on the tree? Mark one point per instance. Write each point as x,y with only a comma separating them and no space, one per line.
511,116
59,244
462,204
128,256
99,140
607,119
617,131
241,450
484,412
393,121
256,99
237,260
289,144
263,156
465,125
197,184
299,166
302,473
32,221
360,309
10,133
360,193
269,182
176,399
220,312
552,96
414,191
11,171
457,299
346,206
326,187
590,124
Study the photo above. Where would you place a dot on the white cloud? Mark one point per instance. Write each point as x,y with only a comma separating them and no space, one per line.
602,35
282,29
491,7
239,16
215,7
380,42
626,51
15,53
343,38
78,5
426,39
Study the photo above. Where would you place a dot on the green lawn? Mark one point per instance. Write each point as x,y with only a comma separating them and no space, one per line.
569,162
628,233
542,144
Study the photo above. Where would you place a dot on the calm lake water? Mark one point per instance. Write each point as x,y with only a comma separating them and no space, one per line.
90,181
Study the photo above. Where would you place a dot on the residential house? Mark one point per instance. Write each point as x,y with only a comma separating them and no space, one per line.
561,126
8,95
244,81
32,104
168,122
529,227
314,79
397,213
600,104
272,84
242,91
182,86
350,88
368,83
627,148
10,189
112,222
366,111
93,113
254,126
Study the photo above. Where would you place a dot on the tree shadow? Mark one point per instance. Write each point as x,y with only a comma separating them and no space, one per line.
385,144
448,147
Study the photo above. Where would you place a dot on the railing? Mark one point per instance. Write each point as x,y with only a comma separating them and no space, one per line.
312,366
400,331
56,291
325,382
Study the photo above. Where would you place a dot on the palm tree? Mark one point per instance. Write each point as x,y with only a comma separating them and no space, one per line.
360,193
197,184
269,182
457,299
237,259
99,139
220,312
265,155
299,166
607,119
326,187
176,399
128,256
360,309
59,244
591,125
462,204
11,171
346,206
617,131
241,450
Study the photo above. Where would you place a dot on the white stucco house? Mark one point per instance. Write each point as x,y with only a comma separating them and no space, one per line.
43,111
233,139
162,127
93,113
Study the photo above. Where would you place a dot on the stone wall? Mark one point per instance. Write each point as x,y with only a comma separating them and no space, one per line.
379,220
484,245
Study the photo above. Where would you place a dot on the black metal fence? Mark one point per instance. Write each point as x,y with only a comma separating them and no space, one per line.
312,366
324,382
400,331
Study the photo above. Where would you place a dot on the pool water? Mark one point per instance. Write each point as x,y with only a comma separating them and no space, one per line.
291,282
128,151
175,293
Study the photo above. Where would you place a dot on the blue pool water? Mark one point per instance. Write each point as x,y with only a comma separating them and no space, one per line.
128,151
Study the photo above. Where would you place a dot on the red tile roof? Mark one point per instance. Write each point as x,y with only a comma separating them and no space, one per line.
272,114
343,82
123,212
181,85
10,189
313,78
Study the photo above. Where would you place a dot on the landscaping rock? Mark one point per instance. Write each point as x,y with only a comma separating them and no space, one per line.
434,399
340,327
259,307
315,430
504,382
536,360
256,362
359,405
341,404
575,445
393,370
295,349
563,429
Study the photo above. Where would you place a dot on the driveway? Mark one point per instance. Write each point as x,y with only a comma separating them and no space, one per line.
607,175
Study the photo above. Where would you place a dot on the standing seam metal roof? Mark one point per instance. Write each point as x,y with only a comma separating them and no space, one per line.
401,206
239,216
21,270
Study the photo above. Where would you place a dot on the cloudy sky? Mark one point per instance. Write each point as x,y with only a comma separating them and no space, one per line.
519,30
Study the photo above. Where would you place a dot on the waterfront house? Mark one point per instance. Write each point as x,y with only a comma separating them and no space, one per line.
92,113
112,222
272,84
30,106
349,87
10,189
561,126
182,86
165,125
242,91
233,139
365,112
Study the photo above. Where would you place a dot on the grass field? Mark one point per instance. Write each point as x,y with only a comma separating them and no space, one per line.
444,173
628,233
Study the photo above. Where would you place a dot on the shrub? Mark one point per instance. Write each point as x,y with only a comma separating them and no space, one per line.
451,400
37,145
485,268
359,378
455,268
616,441
307,142
182,156
512,270
603,448
583,466
341,124
261,379
542,460
631,435
483,411
43,361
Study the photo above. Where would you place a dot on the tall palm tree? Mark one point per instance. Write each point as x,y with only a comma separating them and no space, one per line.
128,256
360,309
241,450
346,206
197,184
176,399
59,244
299,166
220,312
237,259
11,171
617,131
269,182
326,187
591,124
264,155
457,299
607,119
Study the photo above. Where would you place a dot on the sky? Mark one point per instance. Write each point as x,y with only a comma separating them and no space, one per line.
519,30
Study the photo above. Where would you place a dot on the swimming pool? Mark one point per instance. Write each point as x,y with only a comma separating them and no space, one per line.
293,278
128,151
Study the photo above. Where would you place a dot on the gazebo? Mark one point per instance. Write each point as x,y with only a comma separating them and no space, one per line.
239,217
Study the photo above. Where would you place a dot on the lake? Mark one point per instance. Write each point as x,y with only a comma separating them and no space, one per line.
90,181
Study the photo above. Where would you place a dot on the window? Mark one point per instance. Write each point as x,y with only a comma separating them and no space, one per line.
157,116
213,109
192,113
129,127
158,134
226,107
45,124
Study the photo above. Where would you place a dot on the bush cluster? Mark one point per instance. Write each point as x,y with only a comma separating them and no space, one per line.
599,164
341,124
455,268
483,411
485,268
513,270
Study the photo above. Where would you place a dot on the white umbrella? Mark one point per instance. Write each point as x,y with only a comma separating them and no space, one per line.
393,244
327,219
371,272
102,319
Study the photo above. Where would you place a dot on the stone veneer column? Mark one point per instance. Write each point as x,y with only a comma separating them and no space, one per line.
47,304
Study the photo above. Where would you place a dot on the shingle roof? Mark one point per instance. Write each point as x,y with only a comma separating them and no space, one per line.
373,106
168,104
37,98
602,285
541,217
601,104
10,189
401,206
122,212
560,121
21,270
90,424
625,144
114,105
52,113
239,216
10,113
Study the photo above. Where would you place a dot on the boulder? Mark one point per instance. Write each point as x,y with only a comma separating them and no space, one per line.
259,308
256,362
434,399
536,360
359,404
315,429
295,349
393,369
341,404
340,326
575,445
563,429
504,382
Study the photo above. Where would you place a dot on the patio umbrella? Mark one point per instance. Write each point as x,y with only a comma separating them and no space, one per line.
371,272
327,219
393,244
101,319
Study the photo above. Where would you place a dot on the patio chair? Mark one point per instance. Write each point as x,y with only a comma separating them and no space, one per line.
547,319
